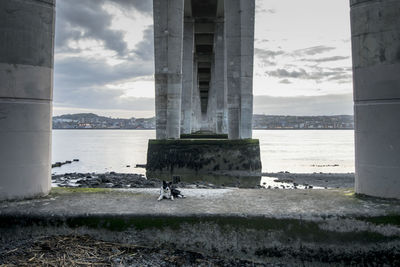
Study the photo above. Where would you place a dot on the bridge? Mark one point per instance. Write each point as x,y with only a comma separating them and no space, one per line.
203,78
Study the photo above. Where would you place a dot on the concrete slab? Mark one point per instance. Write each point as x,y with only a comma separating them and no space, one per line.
289,226
304,204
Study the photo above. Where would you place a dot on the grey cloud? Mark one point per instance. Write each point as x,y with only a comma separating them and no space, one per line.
264,53
326,59
283,73
77,19
318,74
267,56
145,48
285,81
259,9
315,50
87,19
144,6
104,99
84,72
82,82
304,105
298,106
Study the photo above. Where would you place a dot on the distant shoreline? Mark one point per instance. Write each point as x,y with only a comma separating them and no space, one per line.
273,129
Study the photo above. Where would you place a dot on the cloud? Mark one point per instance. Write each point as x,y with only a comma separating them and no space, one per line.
82,82
298,105
267,56
82,19
105,99
145,48
260,9
285,81
88,19
318,74
304,105
264,53
143,6
326,59
315,50
283,73
85,72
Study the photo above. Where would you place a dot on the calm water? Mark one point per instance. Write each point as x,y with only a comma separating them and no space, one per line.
281,150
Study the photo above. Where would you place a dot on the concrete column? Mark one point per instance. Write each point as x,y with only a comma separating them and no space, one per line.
239,31
168,39
375,27
196,106
187,70
212,102
220,75
26,85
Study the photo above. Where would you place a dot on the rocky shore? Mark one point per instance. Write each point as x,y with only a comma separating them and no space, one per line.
281,180
118,180
324,180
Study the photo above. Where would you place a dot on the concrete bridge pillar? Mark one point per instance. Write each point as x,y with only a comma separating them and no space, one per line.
239,30
375,27
220,75
212,102
26,85
187,70
168,44
196,105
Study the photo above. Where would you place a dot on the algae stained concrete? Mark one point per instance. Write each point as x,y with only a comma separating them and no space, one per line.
332,225
198,157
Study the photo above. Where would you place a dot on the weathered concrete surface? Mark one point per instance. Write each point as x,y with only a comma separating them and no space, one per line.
376,67
187,79
26,92
239,31
258,224
196,157
168,50
220,76
196,102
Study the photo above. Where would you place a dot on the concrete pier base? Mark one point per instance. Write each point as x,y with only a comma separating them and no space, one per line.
194,158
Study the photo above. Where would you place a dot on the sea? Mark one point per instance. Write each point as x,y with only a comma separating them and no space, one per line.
295,151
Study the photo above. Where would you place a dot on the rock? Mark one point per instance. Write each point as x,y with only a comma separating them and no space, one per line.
140,165
76,160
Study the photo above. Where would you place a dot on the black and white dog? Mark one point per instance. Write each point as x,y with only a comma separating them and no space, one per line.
168,191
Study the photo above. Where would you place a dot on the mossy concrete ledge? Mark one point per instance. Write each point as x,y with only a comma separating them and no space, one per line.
196,157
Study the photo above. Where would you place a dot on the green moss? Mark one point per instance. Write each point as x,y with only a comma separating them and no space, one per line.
393,219
201,155
291,229
72,190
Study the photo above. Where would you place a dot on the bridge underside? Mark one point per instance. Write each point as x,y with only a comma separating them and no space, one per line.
204,67
203,78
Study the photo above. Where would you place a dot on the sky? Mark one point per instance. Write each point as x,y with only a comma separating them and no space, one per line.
104,59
